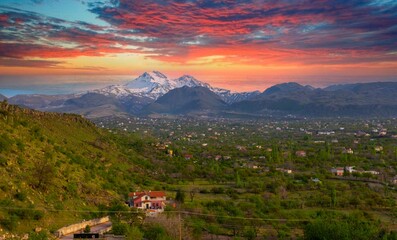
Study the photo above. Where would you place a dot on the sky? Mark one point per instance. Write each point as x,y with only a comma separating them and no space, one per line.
241,45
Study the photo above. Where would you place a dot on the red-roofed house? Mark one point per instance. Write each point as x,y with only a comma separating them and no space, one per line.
154,200
339,171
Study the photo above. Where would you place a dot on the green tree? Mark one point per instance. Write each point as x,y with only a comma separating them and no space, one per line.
87,229
345,228
42,235
43,173
333,197
134,233
238,180
119,228
180,196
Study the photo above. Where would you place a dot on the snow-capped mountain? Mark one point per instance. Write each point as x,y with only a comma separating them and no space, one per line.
155,84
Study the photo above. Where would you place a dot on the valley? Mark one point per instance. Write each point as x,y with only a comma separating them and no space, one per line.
229,178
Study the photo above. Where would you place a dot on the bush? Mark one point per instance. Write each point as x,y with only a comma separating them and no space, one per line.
217,190
5,143
156,232
3,161
350,227
9,223
38,236
21,196
180,196
134,233
87,229
119,229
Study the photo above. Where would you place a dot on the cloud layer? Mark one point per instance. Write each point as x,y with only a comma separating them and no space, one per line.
262,32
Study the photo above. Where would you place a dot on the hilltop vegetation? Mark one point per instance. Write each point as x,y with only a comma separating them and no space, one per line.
57,168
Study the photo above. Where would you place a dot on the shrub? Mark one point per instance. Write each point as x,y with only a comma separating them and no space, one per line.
38,235
134,233
21,196
120,229
9,223
156,232
5,143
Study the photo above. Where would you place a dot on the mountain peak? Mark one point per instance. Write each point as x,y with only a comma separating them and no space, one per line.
186,76
159,74
155,84
287,87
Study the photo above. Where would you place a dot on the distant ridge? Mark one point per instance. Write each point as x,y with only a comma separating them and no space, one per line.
154,92
361,99
2,97
186,100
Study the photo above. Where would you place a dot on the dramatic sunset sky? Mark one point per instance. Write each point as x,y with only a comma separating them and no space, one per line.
236,44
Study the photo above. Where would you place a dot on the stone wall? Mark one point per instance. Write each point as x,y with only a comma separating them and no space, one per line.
80,226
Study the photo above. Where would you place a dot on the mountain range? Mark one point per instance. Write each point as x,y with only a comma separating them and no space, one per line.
155,93
2,97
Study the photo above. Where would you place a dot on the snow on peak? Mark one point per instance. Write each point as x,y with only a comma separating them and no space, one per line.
189,81
155,84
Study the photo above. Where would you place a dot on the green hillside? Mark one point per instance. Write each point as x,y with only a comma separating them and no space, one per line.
57,169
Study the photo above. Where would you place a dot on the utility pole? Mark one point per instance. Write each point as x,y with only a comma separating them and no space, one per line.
180,226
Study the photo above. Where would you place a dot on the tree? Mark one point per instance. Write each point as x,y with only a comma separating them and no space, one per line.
193,193
43,173
333,197
134,233
347,227
180,196
87,229
238,180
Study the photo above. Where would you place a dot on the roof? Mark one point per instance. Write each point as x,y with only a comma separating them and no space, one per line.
152,194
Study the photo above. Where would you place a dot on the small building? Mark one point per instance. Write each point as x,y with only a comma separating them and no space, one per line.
188,156
378,149
316,180
339,171
350,169
372,172
348,151
289,171
170,152
218,157
394,180
300,153
150,200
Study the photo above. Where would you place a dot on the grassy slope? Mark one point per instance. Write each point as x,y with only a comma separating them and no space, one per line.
90,169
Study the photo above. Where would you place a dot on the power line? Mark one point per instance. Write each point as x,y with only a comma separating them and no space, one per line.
177,212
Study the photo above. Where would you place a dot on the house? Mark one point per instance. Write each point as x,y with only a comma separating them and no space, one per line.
218,157
148,200
350,169
241,148
338,171
347,151
284,170
188,156
372,172
378,149
383,133
170,152
316,180
394,180
300,153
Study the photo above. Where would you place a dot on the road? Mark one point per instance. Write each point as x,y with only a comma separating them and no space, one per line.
94,229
